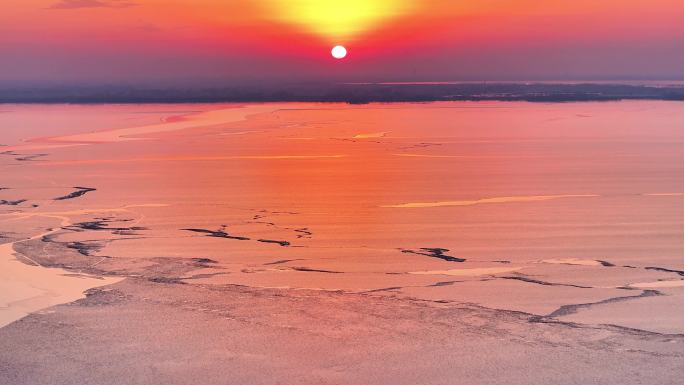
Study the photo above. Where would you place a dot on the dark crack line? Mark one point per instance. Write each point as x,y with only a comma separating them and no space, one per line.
534,318
221,233
80,191
393,288
101,224
281,243
30,157
572,309
4,202
664,270
544,283
435,252
310,270
204,261
282,261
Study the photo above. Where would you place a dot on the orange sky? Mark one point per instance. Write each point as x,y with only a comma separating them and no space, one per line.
231,40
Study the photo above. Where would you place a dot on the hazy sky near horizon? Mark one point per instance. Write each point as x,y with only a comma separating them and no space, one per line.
225,41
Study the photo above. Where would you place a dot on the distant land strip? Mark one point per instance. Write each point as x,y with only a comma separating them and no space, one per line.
360,93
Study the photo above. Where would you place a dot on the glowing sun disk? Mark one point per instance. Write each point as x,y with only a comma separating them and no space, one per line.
339,52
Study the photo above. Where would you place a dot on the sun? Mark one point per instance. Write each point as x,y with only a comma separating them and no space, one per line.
339,52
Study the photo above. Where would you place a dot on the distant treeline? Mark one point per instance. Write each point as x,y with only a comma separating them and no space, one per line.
346,93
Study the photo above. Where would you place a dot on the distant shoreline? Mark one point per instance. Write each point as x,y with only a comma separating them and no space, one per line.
352,93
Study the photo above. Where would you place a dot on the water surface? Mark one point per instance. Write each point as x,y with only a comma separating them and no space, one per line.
548,204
